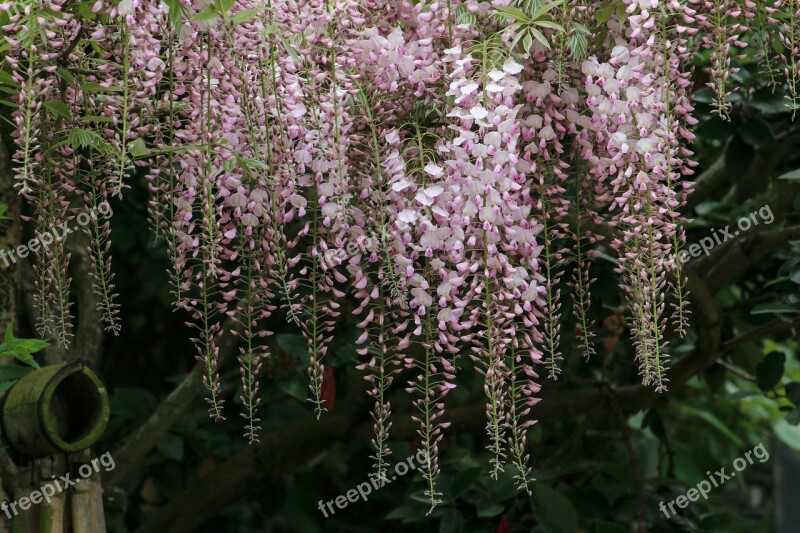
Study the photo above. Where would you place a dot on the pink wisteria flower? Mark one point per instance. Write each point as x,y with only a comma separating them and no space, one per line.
422,166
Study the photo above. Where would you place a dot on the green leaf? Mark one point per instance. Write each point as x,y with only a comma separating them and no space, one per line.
406,513
96,118
787,433
5,385
716,423
578,45
527,42
86,12
757,132
58,108
540,37
770,370
771,101
3,209
793,175
517,38
793,418
243,16
80,138
793,392
9,336
209,13
13,372
512,13
774,307
464,480
175,12
604,526
293,344
622,14
487,509
295,388
715,522
738,158
249,162
554,512
703,96
290,50
547,8
7,79
32,345
225,5
580,28
138,148
605,13
66,75
21,354
171,447
548,24
452,522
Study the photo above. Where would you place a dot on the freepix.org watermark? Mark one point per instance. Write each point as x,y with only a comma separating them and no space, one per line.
713,481
45,239
50,489
363,244
719,236
365,489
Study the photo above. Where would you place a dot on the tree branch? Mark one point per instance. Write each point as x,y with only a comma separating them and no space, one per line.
775,326
726,261
707,183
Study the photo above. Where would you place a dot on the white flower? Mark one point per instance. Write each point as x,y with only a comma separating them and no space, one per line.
512,67
408,216
496,75
401,184
155,64
434,170
426,197
125,8
479,112
392,137
494,88
469,88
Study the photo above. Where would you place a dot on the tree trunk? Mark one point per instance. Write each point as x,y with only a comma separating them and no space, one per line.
9,283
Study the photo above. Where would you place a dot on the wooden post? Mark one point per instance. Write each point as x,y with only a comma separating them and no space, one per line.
55,409
86,506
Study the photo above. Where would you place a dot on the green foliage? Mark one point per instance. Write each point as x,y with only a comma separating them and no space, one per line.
527,26
22,350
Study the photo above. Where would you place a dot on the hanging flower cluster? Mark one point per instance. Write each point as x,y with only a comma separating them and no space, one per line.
638,111
442,165
785,16
720,22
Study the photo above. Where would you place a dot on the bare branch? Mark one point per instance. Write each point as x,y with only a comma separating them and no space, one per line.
707,183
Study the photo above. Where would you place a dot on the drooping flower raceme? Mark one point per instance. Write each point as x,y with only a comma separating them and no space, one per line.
437,168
